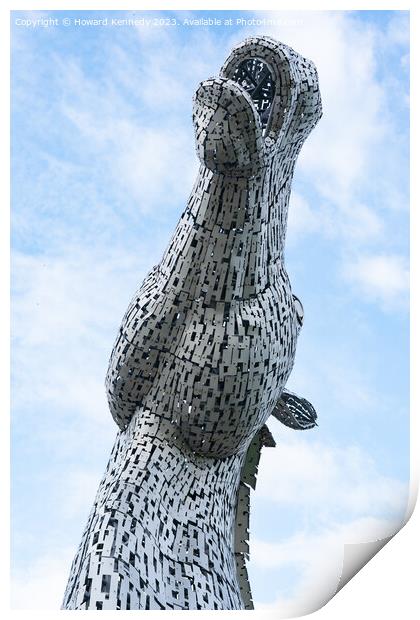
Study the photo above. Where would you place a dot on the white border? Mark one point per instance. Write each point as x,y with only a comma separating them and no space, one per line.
385,587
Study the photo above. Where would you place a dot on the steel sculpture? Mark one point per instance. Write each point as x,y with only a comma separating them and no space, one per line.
203,355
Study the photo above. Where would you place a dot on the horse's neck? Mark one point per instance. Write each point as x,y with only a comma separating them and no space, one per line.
184,506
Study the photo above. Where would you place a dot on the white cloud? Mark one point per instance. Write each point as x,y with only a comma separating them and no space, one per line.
355,223
304,220
340,149
155,165
77,492
41,584
64,323
154,162
383,278
362,223
337,480
398,30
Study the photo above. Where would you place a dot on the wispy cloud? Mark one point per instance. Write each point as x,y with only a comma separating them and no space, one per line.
40,584
60,347
356,224
340,481
382,277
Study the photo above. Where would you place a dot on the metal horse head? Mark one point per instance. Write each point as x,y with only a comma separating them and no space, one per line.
202,357
208,342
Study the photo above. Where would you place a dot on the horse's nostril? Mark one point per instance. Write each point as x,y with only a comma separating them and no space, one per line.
254,76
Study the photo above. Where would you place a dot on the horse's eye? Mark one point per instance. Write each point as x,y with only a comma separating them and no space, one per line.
299,309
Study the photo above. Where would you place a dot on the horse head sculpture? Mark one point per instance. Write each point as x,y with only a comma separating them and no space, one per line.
205,349
209,339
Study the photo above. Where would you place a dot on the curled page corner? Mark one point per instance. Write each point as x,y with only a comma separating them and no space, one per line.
357,555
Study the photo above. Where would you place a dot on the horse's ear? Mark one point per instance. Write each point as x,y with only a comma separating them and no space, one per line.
295,412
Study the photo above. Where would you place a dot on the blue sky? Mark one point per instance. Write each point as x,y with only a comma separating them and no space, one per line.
103,163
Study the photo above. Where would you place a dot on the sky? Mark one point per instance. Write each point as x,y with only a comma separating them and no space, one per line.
103,163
